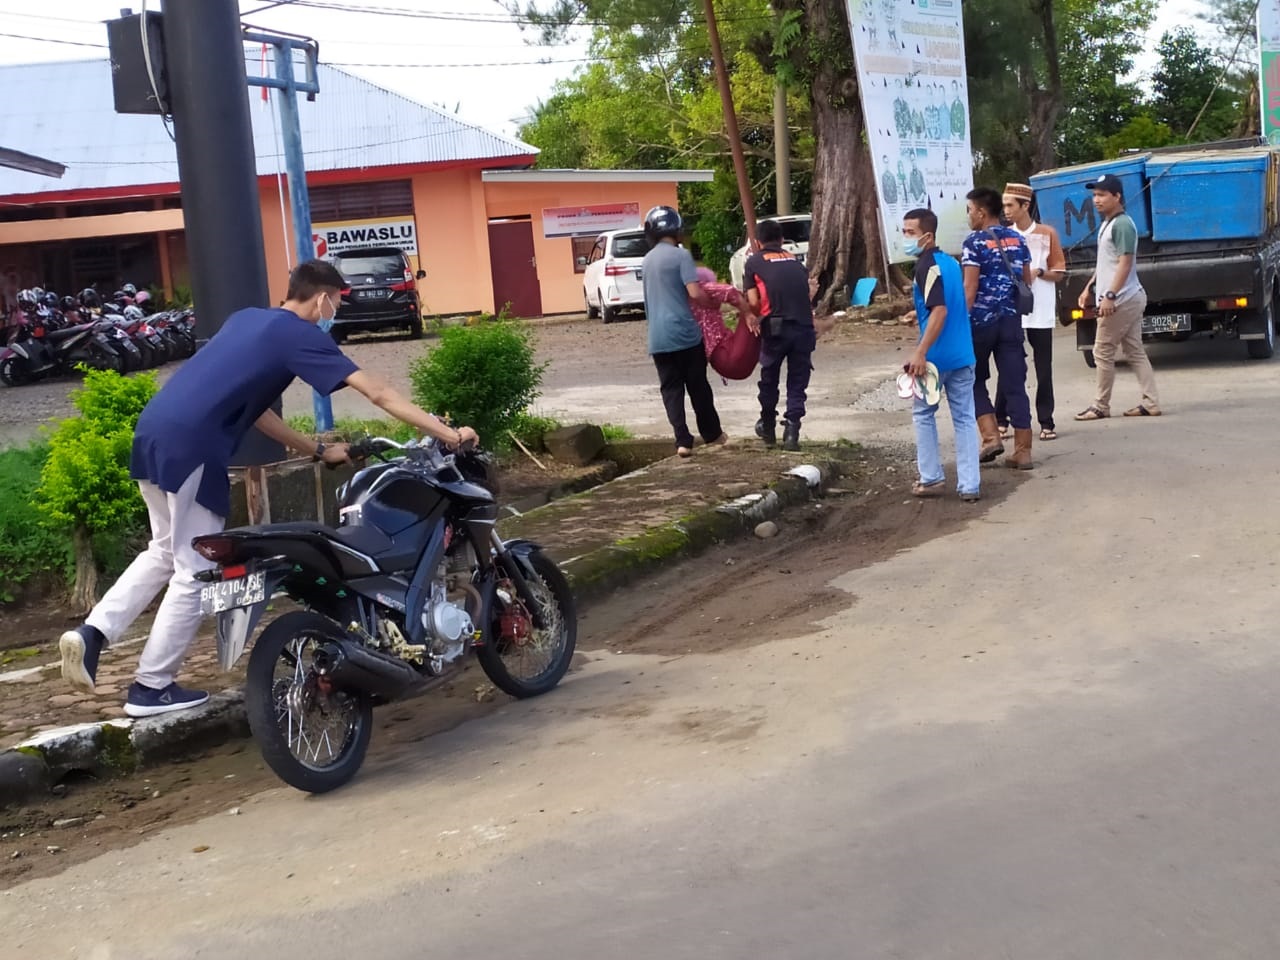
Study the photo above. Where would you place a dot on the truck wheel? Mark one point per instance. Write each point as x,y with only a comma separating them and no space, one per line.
592,312
1263,349
607,313
1088,359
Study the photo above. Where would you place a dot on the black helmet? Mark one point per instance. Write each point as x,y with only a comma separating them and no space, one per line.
129,289
662,222
89,298
69,303
50,299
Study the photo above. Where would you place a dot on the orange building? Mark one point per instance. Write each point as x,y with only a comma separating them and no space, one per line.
467,204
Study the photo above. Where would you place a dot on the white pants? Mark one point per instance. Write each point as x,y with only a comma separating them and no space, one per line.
176,519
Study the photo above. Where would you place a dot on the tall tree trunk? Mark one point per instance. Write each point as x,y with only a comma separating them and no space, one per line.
1047,107
85,592
845,244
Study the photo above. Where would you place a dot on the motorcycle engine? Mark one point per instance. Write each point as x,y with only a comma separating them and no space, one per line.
448,625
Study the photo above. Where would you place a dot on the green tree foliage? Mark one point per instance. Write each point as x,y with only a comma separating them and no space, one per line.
483,376
85,486
1187,95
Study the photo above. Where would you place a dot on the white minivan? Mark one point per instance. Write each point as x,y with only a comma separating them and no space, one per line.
795,239
613,279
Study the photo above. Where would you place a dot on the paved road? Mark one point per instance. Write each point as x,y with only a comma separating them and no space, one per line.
1049,736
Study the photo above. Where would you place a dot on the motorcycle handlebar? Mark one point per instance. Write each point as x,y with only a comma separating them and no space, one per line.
366,447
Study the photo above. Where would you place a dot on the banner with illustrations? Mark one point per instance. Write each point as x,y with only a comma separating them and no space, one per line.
915,100
1269,68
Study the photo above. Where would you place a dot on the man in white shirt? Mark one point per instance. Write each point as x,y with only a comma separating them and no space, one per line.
1049,267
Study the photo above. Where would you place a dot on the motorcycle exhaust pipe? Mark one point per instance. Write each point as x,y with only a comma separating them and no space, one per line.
351,666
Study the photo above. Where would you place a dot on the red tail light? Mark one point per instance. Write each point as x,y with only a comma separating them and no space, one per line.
217,549
614,270
401,287
231,573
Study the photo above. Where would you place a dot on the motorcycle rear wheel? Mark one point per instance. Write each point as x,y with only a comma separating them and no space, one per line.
534,665
13,372
313,740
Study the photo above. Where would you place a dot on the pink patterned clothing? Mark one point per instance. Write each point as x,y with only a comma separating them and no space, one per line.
710,319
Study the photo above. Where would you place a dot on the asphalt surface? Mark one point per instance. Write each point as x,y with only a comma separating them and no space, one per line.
1050,735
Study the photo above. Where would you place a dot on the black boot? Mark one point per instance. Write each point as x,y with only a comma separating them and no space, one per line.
767,430
790,435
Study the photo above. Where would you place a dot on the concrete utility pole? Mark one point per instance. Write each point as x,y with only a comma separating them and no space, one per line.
781,149
731,122
204,55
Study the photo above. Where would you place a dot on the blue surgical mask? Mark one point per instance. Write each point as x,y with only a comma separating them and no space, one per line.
911,247
326,323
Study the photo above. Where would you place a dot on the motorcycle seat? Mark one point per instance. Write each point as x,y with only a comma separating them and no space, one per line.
363,540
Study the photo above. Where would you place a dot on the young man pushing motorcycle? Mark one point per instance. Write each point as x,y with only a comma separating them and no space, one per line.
182,447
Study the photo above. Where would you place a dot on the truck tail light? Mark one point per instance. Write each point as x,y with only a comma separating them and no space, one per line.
615,270
1229,303
1077,314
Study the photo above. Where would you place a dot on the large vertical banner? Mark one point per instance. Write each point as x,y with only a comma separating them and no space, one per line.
915,98
1269,67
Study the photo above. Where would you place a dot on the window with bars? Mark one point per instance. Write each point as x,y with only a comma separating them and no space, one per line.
361,201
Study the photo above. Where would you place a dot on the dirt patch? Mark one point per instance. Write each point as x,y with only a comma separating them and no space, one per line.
728,598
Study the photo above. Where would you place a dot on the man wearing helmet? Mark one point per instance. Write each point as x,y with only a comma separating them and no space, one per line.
675,339
182,444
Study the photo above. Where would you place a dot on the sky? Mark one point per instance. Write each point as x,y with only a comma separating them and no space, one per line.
483,68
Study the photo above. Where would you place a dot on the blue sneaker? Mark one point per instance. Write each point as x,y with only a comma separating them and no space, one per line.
80,650
147,701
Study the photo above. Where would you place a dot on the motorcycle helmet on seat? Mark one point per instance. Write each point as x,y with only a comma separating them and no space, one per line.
662,222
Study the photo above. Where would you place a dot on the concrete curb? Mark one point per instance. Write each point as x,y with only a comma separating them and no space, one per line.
119,747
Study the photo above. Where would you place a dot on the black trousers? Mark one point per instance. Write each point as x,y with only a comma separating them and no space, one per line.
794,344
1041,341
684,371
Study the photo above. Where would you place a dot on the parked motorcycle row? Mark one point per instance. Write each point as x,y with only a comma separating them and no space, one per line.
48,336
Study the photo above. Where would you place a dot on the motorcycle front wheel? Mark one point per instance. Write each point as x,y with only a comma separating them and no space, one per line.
314,738
517,656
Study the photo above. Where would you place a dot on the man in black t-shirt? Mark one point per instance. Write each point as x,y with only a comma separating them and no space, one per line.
777,286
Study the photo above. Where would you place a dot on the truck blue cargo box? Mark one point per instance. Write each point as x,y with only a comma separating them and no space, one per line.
1215,195
1066,204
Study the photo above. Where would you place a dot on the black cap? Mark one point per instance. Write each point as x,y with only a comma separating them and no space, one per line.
1108,182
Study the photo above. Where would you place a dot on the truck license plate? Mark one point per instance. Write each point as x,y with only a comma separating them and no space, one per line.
1166,323
228,594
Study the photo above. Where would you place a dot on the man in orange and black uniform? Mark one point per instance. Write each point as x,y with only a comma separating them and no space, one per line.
777,286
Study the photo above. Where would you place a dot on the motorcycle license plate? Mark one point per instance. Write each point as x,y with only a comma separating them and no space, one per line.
228,594
1166,323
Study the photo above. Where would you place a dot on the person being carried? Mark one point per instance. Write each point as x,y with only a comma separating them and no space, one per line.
718,339
675,341
182,446
946,342
780,293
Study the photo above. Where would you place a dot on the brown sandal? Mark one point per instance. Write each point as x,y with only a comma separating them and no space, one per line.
927,490
1092,413
1048,433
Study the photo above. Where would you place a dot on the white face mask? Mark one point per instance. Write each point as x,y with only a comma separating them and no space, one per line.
326,323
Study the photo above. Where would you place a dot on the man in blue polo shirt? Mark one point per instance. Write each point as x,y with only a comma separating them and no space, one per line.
182,446
945,341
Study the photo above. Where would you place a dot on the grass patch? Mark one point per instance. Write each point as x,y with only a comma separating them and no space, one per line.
29,548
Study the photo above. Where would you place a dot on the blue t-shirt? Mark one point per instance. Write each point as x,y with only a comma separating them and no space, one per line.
667,269
995,285
939,283
200,416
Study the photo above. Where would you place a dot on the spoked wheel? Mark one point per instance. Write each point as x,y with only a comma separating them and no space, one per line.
13,372
313,736
517,656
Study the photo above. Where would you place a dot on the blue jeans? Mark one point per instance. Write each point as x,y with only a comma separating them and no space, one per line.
958,386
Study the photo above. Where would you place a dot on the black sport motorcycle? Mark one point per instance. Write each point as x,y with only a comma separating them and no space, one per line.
413,579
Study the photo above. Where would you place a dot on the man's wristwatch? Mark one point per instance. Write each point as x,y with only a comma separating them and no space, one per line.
1039,271
1109,295
319,454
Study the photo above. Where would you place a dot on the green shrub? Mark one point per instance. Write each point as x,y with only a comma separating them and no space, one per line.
614,432
483,376
347,429
85,485
29,548
532,429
